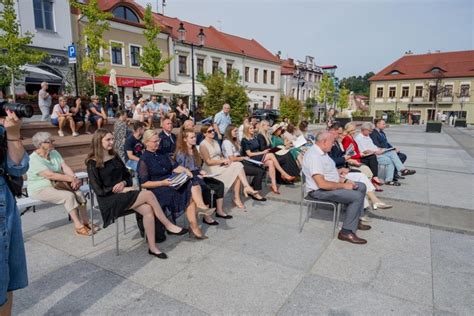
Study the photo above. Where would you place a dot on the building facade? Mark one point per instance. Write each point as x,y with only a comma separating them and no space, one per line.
125,39
407,88
300,79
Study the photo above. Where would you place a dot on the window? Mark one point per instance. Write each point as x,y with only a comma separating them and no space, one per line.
272,77
125,13
391,92
465,90
134,56
255,75
418,91
448,90
380,92
43,11
116,52
247,74
183,65
405,91
200,65
215,66
272,99
265,76
229,69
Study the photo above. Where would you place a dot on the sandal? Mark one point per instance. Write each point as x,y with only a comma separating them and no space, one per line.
83,231
378,190
95,226
408,172
393,183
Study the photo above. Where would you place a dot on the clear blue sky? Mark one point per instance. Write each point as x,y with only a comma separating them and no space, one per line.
357,35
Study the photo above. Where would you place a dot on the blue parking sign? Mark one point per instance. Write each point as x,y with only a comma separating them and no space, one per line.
71,53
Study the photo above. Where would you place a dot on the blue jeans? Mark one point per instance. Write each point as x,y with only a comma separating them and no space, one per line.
392,155
388,165
132,164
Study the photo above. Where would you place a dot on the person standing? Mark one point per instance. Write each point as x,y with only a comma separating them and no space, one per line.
44,101
221,120
14,160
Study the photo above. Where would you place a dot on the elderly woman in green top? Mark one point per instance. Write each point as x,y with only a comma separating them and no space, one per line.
46,165
278,140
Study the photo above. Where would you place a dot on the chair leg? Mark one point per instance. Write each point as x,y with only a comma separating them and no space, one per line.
91,218
116,237
212,199
124,226
300,225
334,222
309,211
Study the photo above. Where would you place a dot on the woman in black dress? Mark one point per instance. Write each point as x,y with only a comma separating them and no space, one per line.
112,184
251,148
286,161
155,169
187,155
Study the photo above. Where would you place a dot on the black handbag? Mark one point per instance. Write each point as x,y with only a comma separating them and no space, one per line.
15,184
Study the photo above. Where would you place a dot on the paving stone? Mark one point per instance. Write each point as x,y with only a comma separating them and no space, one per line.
228,282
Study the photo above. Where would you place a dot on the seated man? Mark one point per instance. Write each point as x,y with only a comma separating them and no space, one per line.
168,139
134,146
166,112
380,140
154,108
324,183
61,116
142,113
97,113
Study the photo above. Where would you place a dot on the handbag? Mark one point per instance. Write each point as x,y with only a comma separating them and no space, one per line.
15,184
66,186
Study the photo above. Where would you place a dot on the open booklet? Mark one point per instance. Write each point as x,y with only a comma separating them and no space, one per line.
178,180
256,162
350,150
300,141
388,149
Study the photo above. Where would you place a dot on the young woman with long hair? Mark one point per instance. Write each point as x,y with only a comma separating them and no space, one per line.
112,184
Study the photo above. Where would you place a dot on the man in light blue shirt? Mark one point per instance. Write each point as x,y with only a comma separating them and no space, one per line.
154,106
166,111
222,120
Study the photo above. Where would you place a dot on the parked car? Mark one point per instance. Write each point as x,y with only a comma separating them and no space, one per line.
266,114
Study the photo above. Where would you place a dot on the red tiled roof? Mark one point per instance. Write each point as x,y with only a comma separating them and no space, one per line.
217,39
288,67
452,64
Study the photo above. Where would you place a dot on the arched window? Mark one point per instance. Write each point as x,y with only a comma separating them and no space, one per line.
125,13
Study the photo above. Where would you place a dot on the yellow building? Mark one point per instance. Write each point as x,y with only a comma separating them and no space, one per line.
125,39
407,88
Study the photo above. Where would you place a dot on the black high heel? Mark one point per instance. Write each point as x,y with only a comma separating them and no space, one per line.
227,216
180,233
214,223
260,200
160,255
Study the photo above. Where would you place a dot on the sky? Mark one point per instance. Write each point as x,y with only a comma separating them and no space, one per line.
356,35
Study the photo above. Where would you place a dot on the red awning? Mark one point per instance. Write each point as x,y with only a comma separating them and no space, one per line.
129,81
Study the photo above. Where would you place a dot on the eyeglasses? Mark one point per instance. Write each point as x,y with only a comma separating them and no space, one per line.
210,131
51,141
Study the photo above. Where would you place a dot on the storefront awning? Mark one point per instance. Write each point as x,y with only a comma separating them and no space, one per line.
36,75
129,81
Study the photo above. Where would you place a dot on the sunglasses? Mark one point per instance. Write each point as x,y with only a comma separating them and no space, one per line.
210,131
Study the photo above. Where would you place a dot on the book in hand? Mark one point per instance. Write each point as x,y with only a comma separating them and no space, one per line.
388,149
178,180
350,150
300,141
256,162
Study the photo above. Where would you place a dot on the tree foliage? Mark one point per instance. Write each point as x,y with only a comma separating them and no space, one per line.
358,84
291,108
222,88
343,100
152,61
14,49
326,90
92,38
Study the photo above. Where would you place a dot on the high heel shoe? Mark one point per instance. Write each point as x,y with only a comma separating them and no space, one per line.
249,191
241,206
180,233
275,190
226,216
214,223
262,199
160,255
288,178
205,211
193,235
381,205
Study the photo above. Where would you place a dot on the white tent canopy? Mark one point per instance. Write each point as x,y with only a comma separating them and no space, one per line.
159,88
186,88
255,97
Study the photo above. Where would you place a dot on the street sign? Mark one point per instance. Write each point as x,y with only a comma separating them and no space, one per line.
71,54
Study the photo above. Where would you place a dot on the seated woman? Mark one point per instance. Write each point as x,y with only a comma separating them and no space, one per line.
78,115
251,148
231,173
278,140
142,113
154,171
61,116
97,113
187,155
368,160
286,161
112,184
183,111
231,150
46,165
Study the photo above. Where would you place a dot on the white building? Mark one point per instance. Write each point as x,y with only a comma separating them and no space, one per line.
259,69
300,79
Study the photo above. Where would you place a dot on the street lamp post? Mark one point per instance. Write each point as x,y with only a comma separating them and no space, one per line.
299,76
201,37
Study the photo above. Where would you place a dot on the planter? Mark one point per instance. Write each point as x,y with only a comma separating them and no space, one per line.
460,123
433,127
343,120
363,118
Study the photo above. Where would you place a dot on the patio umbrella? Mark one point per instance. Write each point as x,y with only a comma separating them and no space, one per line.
113,79
186,88
159,88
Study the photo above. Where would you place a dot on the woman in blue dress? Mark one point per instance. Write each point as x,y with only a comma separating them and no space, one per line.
154,172
14,161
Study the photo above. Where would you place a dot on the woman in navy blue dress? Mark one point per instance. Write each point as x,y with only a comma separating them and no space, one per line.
154,171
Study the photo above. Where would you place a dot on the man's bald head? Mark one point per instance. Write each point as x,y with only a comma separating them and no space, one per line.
325,140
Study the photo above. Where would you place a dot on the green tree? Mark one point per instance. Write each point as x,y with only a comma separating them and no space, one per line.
152,61
291,108
343,100
358,84
14,48
221,89
326,90
92,38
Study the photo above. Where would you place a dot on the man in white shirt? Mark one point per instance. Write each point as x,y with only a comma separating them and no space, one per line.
324,183
44,101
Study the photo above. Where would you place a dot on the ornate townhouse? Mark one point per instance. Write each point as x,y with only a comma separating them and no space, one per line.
300,79
406,87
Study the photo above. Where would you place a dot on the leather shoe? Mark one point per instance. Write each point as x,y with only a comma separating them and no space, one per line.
352,238
363,226
214,223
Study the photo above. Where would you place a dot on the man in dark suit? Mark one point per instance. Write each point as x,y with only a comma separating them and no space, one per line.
380,140
337,153
168,139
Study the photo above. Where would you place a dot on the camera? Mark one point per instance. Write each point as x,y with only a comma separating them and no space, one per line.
21,110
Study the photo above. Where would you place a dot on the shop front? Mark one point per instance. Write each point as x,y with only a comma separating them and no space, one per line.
128,85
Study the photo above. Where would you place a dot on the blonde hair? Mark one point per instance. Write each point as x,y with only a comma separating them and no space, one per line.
148,135
266,134
349,127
